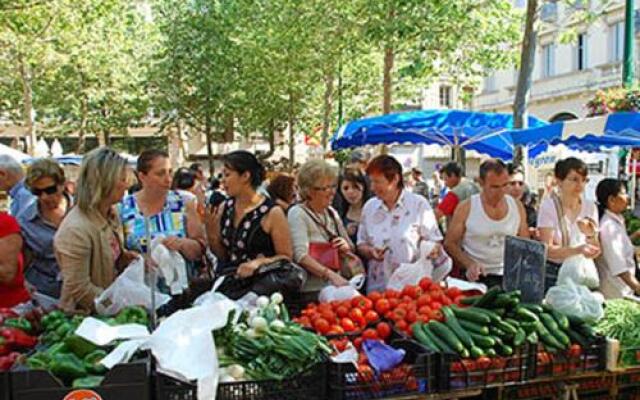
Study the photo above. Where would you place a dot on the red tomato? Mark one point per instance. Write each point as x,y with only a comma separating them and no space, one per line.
357,342
399,313
362,358
435,305
575,351
435,286
446,301
437,315
383,329
382,306
483,363
457,367
391,294
425,284
356,313
411,291
330,316
370,334
423,300
335,330
393,303
362,302
411,383
453,292
342,311
347,325
423,318
469,365
424,310
371,316
374,296
321,325
411,317
365,373
304,321
324,307
436,294
402,325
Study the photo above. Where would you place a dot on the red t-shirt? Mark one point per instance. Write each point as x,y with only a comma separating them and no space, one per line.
449,203
12,293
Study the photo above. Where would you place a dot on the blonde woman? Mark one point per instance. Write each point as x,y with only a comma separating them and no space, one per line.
39,222
88,244
314,221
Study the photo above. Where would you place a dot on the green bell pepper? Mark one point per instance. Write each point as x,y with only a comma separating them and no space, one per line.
39,360
57,348
87,382
133,315
92,362
79,346
64,329
52,320
67,366
19,323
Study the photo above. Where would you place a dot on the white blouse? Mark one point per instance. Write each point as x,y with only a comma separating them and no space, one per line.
617,256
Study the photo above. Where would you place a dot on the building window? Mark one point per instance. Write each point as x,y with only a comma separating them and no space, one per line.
581,52
548,60
616,40
445,96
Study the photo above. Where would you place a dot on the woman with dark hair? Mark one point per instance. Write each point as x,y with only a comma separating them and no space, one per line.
567,222
616,265
282,190
247,230
184,182
353,193
394,223
170,215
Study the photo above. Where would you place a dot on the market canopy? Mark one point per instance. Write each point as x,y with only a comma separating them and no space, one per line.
588,134
482,132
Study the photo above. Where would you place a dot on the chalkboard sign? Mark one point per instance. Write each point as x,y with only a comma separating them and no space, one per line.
524,267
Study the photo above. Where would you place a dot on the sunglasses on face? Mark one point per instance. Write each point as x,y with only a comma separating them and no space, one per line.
48,190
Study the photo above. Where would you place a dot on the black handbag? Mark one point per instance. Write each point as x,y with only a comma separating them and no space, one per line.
281,276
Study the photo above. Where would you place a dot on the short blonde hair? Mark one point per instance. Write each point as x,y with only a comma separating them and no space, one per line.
44,168
311,173
100,171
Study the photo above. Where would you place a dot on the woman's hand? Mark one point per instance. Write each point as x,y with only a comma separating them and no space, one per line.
247,269
336,279
128,256
341,244
589,250
173,243
435,252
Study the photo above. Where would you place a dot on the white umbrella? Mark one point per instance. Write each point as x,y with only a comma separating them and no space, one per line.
56,148
42,149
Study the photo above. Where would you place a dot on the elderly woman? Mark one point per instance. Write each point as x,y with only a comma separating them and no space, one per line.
40,221
12,289
314,224
393,223
171,216
567,222
88,243
247,230
617,264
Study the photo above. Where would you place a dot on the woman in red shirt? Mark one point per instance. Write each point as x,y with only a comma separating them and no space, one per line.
12,289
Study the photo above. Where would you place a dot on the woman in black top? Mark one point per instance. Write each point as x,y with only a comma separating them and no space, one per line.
246,231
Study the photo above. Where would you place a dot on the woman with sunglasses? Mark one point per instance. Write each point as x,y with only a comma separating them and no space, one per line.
88,244
518,190
40,221
567,222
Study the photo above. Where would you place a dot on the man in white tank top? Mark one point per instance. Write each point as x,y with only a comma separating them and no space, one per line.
476,235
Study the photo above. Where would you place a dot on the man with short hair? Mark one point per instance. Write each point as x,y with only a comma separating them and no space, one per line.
460,189
476,235
12,182
419,186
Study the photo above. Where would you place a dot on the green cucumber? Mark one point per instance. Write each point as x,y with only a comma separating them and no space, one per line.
471,300
483,341
519,337
523,314
507,328
422,338
512,322
476,352
494,315
547,338
504,350
529,326
532,338
561,319
472,327
471,314
446,334
491,353
441,344
452,322
488,297
494,330
553,328
502,300
576,337
534,308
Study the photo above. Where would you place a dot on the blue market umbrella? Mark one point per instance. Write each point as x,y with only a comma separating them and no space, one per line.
588,134
482,132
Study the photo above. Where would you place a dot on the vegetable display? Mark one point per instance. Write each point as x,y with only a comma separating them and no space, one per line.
621,321
16,336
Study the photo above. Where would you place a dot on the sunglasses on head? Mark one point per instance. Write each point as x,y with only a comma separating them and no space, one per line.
48,190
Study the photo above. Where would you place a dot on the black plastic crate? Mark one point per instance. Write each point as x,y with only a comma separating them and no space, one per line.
5,391
311,385
592,358
629,379
417,376
123,381
456,373
587,388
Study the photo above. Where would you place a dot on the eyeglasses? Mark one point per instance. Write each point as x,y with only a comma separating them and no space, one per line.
578,180
48,190
516,183
325,188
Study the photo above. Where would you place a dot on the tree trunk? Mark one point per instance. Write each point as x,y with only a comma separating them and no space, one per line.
27,110
328,107
271,136
229,126
387,86
527,61
207,132
84,117
103,134
292,137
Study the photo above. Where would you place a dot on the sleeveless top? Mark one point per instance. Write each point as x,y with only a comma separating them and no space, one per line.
171,221
248,240
484,237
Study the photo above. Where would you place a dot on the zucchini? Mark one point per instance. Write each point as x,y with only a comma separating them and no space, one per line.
576,337
494,330
547,338
586,331
492,314
491,353
519,337
471,300
472,327
513,322
506,327
504,350
422,338
488,297
561,319
534,308
452,323
525,315
501,301
441,344
442,331
529,326
476,352
483,341
471,314
554,329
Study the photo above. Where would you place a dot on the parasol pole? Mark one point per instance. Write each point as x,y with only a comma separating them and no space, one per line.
152,271
634,183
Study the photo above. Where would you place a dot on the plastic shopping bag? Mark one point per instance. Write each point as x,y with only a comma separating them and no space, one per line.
171,265
347,292
129,289
576,300
579,270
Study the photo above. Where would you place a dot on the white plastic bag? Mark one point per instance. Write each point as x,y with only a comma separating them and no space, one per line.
576,300
580,270
411,273
171,265
129,289
347,292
